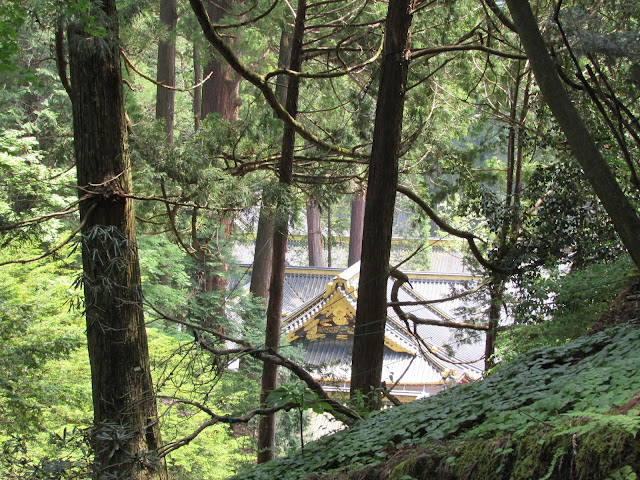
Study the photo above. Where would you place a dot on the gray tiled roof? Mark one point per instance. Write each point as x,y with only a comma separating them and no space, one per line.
304,287
426,366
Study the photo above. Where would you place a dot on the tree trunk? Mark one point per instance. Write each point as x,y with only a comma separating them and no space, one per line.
220,92
263,254
329,237
314,232
496,294
219,95
368,342
355,230
125,413
165,97
266,430
623,215
197,92
262,258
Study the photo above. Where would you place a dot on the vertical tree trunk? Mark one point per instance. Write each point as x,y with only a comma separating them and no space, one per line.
262,258
165,97
496,294
124,407
220,92
623,215
219,95
329,237
314,232
266,430
197,92
368,342
355,230
263,254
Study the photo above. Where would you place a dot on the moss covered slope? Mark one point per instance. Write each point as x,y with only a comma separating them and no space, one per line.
560,412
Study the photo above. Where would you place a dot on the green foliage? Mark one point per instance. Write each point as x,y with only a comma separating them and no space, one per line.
42,365
628,422
35,329
299,395
28,189
12,16
165,279
592,374
183,371
573,300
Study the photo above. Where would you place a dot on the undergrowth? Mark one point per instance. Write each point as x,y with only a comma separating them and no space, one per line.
540,389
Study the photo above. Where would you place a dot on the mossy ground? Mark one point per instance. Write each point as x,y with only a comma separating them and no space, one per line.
537,454
566,412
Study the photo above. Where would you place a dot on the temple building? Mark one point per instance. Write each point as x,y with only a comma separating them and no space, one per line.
319,315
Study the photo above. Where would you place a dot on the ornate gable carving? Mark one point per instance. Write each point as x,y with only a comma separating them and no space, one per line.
335,317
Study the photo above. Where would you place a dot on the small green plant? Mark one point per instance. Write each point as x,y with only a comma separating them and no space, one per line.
625,473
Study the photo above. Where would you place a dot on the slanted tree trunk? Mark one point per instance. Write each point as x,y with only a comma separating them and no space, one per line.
165,97
623,215
124,406
355,230
368,342
314,232
266,430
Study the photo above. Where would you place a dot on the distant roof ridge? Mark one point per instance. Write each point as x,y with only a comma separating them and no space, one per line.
349,273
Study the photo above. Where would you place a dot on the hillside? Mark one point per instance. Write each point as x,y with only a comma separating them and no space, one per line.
553,413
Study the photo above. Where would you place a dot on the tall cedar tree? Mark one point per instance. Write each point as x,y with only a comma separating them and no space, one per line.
124,407
267,430
165,97
219,95
355,230
262,258
368,342
314,232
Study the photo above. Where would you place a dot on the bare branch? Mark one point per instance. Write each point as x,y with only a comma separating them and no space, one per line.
469,47
469,237
477,288
57,247
42,218
401,278
160,84
259,81
214,419
500,14
341,412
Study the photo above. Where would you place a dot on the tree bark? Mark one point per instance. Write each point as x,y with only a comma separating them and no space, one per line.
123,397
355,230
220,92
266,430
262,258
623,215
165,97
368,342
496,297
314,232
261,274
197,92
219,95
